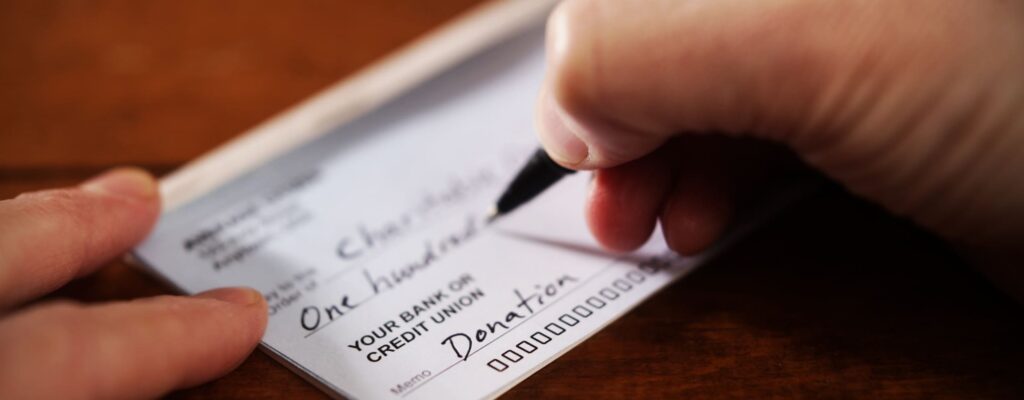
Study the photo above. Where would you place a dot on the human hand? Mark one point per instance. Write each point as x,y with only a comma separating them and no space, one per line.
915,104
137,349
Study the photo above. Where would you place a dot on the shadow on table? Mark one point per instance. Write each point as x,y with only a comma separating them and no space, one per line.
835,299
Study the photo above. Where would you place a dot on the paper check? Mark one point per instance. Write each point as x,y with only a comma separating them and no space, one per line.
368,244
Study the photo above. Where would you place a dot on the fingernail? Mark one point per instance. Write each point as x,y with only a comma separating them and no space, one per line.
242,296
123,182
558,133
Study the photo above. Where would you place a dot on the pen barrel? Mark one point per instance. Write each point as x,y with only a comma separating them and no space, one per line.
539,173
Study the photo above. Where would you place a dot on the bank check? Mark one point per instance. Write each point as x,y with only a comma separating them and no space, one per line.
369,245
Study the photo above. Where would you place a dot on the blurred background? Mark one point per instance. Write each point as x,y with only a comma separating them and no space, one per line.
85,85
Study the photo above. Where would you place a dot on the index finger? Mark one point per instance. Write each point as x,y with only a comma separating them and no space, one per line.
137,349
50,237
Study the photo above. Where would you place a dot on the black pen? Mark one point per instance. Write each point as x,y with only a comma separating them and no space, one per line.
539,173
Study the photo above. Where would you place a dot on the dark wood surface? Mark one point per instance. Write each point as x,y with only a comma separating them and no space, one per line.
835,299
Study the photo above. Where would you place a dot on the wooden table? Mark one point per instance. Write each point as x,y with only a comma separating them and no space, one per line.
836,299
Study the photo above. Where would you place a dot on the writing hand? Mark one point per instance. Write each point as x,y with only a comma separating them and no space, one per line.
137,349
913,104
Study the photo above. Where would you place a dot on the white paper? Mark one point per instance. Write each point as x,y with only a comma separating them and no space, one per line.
368,244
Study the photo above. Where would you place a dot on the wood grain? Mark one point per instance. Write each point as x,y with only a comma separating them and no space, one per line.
834,300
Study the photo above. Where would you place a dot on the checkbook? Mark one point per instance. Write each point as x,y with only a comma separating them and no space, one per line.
359,214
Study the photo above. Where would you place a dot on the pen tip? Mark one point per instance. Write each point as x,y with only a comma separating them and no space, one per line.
492,214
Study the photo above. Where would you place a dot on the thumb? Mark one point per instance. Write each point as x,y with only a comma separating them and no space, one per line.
624,76
913,104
